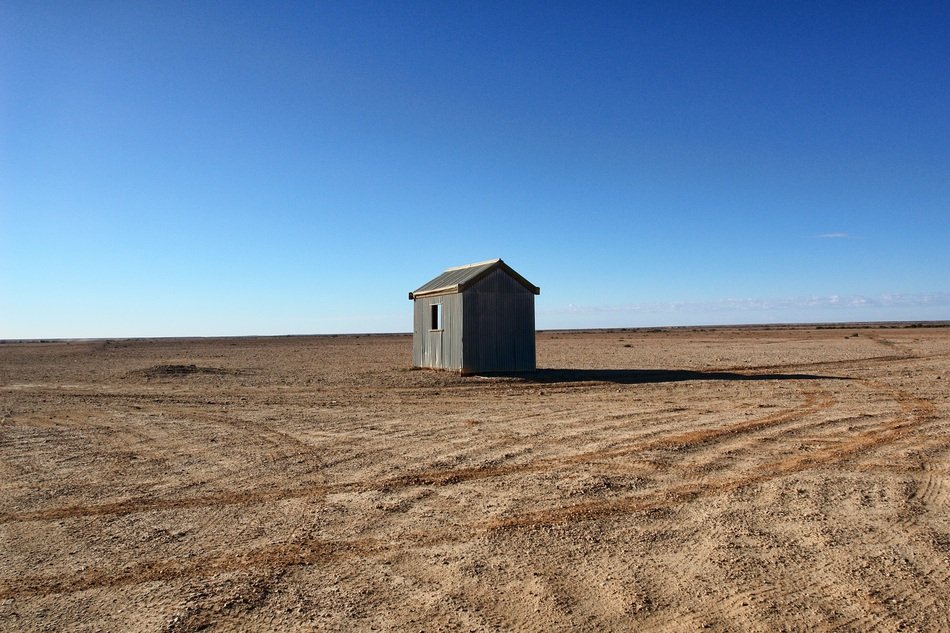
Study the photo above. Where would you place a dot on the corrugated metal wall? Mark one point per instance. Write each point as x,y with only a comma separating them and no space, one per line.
499,325
438,349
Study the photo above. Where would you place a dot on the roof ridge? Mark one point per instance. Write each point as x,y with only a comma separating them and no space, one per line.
460,277
487,261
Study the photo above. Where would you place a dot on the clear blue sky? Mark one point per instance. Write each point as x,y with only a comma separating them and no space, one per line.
224,168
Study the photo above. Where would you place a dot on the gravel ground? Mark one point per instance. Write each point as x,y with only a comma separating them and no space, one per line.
726,479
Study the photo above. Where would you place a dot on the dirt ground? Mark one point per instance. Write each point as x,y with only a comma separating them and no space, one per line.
760,479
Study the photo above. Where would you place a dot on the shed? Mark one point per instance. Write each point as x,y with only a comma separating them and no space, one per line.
475,318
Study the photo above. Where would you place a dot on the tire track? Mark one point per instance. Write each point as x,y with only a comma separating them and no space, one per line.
758,447
821,588
311,552
924,491
267,558
148,504
813,402
914,412
259,431
845,362
933,491
677,441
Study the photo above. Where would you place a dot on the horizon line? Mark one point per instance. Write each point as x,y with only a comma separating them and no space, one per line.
721,326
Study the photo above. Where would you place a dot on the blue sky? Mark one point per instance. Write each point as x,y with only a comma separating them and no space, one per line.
227,168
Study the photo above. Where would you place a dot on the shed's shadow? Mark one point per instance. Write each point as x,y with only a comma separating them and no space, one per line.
644,376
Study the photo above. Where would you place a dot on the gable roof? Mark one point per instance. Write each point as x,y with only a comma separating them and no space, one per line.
458,278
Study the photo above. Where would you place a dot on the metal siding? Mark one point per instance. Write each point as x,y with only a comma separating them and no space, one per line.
437,349
499,325
452,341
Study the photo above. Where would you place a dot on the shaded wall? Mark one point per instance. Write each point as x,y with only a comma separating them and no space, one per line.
498,325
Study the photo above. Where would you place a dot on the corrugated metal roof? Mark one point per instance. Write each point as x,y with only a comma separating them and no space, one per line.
455,279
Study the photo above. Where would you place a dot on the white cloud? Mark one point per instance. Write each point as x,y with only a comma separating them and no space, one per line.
847,306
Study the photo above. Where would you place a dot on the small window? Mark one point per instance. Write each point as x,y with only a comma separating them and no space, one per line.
436,318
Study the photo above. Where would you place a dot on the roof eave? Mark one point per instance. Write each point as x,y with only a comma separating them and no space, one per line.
445,290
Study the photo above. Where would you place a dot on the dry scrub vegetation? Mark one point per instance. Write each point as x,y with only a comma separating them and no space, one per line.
728,479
